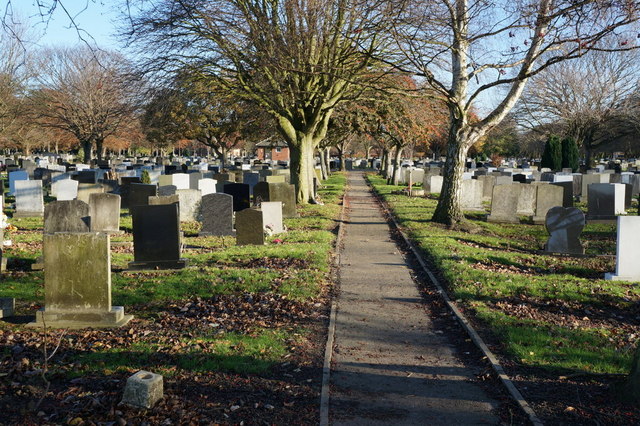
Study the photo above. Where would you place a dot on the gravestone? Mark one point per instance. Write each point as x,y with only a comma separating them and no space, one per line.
526,199
590,179
471,194
180,180
249,227
264,191
605,201
275,179
627,258
14,177
86,189
207,186
44,175
194,178
216,211
567,192
156,237
125,183
241,195
547,197
432,184
189,200
161,200
65,190
272,217
564,226
488,182
504,203
139,194
251,179
77,283
7,306
29,198
104,210
86,176
165,190
67,216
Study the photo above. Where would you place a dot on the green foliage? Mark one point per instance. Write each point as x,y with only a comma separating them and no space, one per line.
570,154
552,155
145,178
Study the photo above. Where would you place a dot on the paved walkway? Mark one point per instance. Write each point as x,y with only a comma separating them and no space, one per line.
389,365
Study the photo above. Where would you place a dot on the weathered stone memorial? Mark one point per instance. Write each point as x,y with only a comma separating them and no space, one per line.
143,390
284,192
86,189
504,203
471,194
67,216
77,283
547,196
189,200
249,227
432,184
627,255
216,211
139,194
104,210
29,198
156,237
564,226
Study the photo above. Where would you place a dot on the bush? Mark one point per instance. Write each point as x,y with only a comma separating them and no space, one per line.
552,155
570,154
145,178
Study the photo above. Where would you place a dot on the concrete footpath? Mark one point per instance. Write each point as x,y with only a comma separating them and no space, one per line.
389,365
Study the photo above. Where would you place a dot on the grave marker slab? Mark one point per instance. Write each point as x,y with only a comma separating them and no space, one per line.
156,237
29,198
241,195
217,215
249,227
104,210
67,216
272,217
627,255
564,226
77,283
65,190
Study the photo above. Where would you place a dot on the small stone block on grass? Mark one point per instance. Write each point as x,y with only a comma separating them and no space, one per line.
7,307
143,389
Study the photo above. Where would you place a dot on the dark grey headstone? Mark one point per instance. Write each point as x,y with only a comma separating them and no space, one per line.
86,176
567,195
139,194
284,192
249,227
156,237
217,214
67,216
564,226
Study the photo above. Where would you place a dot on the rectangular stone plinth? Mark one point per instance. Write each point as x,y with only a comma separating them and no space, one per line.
160,264
613,277
75,320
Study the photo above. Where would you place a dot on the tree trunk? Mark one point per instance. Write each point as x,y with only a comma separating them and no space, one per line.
301,171
99,148
397,167
86,147
328,161
323,164
448,210
343,164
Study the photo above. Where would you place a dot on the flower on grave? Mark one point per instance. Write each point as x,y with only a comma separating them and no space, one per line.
277,241
268,229
4,221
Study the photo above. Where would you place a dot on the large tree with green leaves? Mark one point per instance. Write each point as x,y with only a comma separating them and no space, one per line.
297,59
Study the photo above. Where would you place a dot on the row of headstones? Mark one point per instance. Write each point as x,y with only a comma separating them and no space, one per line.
511,199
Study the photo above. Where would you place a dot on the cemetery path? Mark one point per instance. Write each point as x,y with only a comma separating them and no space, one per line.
390,365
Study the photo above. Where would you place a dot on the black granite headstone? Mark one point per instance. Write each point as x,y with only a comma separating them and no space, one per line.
139,194
156,237
241,195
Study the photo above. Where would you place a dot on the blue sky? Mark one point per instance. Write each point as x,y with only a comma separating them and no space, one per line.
94,19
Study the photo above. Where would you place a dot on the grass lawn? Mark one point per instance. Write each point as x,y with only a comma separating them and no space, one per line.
240,310
551,312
